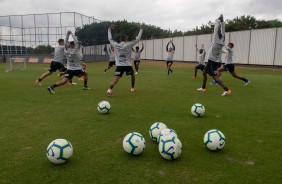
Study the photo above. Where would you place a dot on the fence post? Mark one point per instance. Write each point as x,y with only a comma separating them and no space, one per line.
249,47
275,45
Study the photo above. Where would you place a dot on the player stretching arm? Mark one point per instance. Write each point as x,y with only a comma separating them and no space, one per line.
74,66
137,54
218,41
123,58
201,60
229,65
169,60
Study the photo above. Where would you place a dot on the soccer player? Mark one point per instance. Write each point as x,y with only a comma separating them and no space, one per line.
137,53
169,60
229,65
112,61
217,43
201,60
123,58
74,66
81,60
57,63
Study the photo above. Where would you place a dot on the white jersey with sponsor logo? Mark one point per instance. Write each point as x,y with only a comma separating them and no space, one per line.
123,49
111,55
59,55
218,41
73,55
202,56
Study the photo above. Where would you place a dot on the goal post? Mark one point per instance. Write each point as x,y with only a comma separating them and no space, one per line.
15,64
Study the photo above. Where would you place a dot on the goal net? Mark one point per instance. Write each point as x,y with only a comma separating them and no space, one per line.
15,64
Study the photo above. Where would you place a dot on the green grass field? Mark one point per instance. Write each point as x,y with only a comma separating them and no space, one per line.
250,118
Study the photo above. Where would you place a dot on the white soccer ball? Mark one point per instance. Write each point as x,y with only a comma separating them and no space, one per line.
156,129
166,132
104,107
134,143
214,139
198,110
170,147
59,151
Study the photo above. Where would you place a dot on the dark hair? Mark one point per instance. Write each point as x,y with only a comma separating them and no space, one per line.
60,40
123,38
137,47
72,43
232,45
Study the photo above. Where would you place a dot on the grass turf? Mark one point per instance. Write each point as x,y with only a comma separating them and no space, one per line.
31,118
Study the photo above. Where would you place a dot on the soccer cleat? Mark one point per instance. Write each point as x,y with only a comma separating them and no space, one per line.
213,83
202,89
73,84
105,71
226,93
109,92
86,88
51,90
132,89
194,77
247,82
38,83
136,73
171,72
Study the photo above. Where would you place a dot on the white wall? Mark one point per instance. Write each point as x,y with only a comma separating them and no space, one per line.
149,47
278,52
189,48
158,49
179,48
241,49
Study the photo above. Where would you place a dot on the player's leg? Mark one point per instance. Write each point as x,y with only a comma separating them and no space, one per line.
239,77
83,68
132,82
52,68
205,78
195,72
118,74
60,83
84,74
227,91
137,66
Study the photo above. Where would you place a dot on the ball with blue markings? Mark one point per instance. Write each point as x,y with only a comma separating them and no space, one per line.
59,151
214,140
170,147
134,143
156,129
198,110
104,107
166,132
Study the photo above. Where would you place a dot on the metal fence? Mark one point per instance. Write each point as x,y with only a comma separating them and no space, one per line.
257,47
17,32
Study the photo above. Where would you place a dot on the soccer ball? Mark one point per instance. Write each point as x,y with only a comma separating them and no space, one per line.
214,139
104,107
134,143
198,110
170,147
165,132
155,130
59,151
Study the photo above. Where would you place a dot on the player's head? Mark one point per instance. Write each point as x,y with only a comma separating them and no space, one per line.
61,41
123,38
72,45
112,48
202,46
230,45
170,49
137,48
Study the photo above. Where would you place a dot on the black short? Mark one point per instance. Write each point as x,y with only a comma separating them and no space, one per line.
229,67
54,66
211,67
121,69
136,61
70,73
201,67
112,63
169,62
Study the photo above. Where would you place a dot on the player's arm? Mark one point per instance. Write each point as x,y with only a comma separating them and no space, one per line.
133,49
142,47
67,38
167,46
75,41
138,38
110,38
196,48
173,47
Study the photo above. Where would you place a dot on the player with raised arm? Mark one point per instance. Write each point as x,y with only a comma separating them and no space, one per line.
74,66
112,61
57,63
137,54
229,65
201,60
123,58
218,40
169,60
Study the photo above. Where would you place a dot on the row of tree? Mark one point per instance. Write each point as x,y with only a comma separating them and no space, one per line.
96,33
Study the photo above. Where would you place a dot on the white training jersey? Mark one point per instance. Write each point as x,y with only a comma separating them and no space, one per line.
111,55
137,55
73,55
123,49
228,55
81,52
59,55
169,56
202,56
218,41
